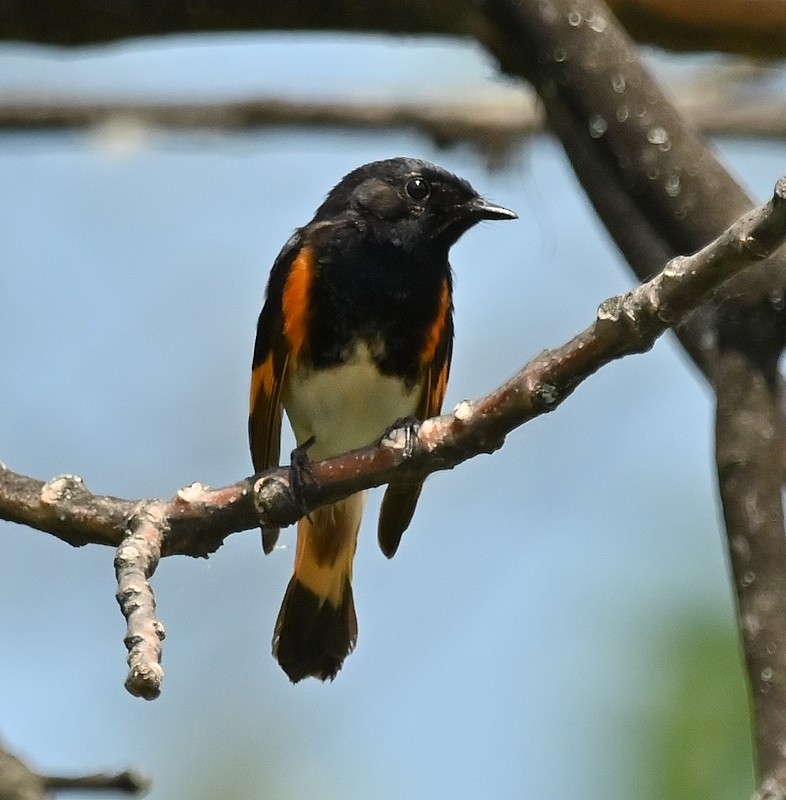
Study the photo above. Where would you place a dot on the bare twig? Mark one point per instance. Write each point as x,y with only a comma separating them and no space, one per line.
135,561
128,782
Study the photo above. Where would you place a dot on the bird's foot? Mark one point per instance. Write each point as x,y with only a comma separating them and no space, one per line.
406,427
301,476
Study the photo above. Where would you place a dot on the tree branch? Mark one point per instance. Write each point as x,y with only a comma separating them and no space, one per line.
749,446
493,126
80,22
127,781
660,190
135,561
727,25
19,782
197,520
200,518
655,205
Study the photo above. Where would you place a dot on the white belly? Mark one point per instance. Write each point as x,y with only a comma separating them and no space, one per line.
345,407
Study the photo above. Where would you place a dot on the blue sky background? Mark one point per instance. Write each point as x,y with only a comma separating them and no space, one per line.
511,649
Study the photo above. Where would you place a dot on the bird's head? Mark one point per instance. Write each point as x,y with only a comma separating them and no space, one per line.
409,203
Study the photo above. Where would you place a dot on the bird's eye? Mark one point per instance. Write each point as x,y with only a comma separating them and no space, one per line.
418,188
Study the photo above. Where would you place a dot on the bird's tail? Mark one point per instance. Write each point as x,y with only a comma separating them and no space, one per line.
317,627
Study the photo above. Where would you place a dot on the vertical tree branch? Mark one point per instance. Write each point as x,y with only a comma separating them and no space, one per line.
749,447
660,190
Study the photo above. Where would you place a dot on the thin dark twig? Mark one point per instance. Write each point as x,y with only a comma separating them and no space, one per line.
128,782
19,781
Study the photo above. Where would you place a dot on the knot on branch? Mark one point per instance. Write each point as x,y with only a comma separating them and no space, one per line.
274,500
547,393
62,489
631,319
751,247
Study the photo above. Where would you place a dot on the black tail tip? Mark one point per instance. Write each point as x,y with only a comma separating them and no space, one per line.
313,637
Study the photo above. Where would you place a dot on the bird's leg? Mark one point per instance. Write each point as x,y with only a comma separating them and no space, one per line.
301,476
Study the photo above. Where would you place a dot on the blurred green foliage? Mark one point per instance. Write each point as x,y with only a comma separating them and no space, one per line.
697,734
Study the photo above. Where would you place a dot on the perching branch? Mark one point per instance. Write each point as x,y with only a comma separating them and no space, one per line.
200,518
197,520
655,218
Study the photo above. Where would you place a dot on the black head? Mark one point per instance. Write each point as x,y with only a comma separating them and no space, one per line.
408,203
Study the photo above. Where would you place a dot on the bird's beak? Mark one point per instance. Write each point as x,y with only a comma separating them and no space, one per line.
482,209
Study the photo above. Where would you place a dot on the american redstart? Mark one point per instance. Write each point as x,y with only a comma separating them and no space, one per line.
355,334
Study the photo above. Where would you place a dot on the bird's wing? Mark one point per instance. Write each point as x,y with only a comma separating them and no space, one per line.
269,366
398,504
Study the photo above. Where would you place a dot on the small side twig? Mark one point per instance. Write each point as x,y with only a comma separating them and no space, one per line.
19,781
127,781
135,561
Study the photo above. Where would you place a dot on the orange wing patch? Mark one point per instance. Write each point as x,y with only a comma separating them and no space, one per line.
263,381
295,300
436,332
264,420
434,393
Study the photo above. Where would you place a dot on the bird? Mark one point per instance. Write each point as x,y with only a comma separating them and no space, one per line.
355,335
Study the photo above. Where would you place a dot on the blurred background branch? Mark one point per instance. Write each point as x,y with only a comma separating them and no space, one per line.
660,189
496,128
728,25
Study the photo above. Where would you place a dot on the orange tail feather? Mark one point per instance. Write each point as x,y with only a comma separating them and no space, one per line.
317,627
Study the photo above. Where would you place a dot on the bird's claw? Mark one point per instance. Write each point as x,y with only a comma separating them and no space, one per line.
409,426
